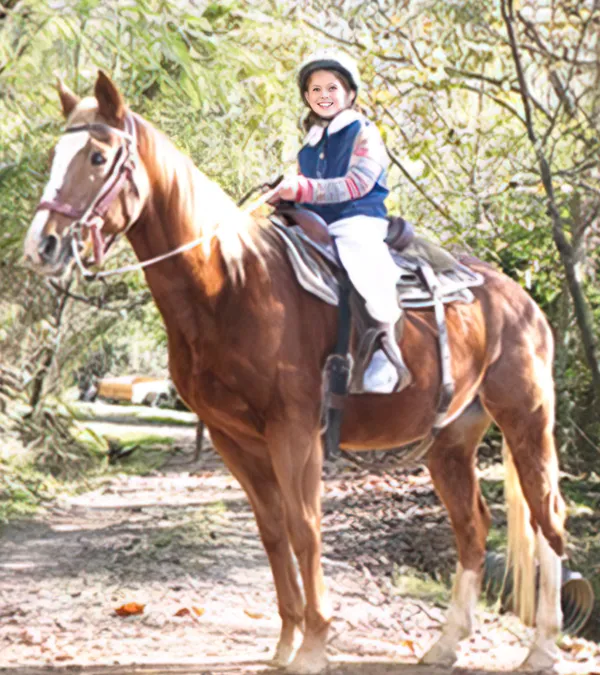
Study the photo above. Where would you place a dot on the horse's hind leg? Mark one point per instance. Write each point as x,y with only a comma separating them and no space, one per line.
519,394
256,476
451,461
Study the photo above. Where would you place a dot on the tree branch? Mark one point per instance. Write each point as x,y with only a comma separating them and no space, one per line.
334,38
440,209
102,301
582,311
499,101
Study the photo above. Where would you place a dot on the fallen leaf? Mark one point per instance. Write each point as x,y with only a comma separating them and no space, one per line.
64,656
49,644
187,611
253,615
409,644
129,609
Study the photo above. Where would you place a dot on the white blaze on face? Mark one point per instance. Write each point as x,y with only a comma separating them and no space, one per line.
66,149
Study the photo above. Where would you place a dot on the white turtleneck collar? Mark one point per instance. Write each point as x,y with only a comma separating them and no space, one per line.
341,120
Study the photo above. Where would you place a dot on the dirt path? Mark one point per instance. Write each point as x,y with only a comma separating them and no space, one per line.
183,543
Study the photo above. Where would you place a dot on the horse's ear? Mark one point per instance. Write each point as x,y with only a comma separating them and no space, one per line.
110,101
68,99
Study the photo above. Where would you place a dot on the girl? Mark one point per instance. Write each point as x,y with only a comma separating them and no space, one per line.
343,178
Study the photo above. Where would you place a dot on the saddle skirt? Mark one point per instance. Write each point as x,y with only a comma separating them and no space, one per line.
315,263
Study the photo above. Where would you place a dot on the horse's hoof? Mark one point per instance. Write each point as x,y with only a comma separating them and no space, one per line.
283,655
308,663
287,647
280,660
439,655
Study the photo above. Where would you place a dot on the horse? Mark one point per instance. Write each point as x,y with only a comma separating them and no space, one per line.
247,347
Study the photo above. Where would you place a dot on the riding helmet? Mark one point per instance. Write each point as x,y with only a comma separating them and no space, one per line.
329,59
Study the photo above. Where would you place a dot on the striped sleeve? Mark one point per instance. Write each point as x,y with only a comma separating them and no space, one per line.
369,159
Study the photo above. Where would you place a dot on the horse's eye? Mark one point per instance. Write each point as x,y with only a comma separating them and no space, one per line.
98,158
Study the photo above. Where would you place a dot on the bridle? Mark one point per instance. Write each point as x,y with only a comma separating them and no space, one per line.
93,216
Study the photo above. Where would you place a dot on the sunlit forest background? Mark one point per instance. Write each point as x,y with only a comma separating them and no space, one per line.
490,112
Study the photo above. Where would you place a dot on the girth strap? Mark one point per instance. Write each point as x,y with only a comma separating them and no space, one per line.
338,368
337,374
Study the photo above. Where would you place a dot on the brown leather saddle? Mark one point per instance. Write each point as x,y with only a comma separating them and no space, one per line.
400,232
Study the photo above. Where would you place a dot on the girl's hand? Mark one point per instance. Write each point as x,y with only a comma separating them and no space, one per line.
288,189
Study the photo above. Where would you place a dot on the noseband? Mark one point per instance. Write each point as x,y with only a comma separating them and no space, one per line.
121,171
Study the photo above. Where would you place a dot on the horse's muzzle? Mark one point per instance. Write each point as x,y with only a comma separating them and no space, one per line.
48,248
55,255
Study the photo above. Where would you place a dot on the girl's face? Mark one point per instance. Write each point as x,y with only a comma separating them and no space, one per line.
326,94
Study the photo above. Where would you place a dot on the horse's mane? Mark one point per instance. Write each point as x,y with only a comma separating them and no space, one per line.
199,205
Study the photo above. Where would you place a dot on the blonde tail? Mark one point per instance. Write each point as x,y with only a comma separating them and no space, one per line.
521,543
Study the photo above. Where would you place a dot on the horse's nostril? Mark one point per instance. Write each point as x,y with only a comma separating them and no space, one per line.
48,247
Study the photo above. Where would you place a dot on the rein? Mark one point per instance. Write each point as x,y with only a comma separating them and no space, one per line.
93,217
151,261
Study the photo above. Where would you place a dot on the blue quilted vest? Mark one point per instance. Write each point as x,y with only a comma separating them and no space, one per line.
330,158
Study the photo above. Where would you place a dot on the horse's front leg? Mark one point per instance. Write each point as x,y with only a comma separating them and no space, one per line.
297,460
256,476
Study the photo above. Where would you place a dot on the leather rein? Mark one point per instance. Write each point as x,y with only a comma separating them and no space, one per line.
93,217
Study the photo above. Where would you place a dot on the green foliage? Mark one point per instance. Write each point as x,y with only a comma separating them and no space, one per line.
22,490
410,582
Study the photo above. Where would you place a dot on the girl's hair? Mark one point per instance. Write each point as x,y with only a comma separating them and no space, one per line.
312,118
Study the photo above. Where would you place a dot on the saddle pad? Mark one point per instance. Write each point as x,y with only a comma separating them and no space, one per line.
314,266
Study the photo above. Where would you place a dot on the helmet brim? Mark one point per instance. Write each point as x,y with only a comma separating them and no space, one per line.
325,64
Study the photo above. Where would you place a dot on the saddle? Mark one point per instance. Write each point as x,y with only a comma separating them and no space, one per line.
312,253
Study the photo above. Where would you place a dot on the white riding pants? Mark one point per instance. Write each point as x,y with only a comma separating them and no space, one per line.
368,262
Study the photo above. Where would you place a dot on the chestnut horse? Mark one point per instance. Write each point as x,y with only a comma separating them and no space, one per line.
247,347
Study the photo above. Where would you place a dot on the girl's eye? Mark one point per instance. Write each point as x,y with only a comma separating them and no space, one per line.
97,158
